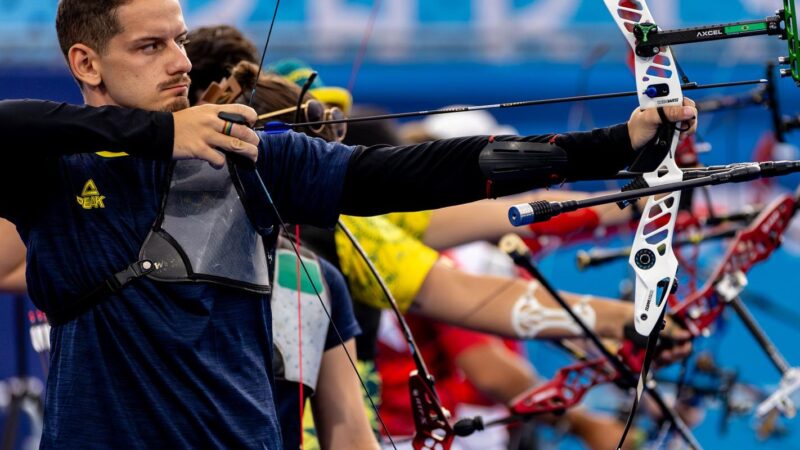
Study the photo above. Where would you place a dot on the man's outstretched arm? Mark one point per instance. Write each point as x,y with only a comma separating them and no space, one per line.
435,174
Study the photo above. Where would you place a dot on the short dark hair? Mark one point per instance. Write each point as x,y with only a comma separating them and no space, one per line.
90,22
214,51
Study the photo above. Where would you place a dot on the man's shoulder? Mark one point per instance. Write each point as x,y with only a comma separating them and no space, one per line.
115,176
296,159
112,161
55,182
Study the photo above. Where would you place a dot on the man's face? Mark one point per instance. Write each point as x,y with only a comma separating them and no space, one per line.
145,66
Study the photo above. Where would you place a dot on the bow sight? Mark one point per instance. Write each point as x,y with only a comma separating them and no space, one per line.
650,41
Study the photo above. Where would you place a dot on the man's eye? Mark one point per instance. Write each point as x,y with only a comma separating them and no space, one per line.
183,42
151,47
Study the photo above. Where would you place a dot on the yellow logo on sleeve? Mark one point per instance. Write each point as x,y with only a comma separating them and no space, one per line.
90,197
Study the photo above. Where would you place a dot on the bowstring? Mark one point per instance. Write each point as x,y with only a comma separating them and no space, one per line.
301,263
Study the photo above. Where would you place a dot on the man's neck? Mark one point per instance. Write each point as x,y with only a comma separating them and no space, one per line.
94,97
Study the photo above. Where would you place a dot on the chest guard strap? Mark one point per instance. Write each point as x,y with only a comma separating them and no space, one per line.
101,292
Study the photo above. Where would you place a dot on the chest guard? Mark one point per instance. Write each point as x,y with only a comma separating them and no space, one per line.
286,323
203,232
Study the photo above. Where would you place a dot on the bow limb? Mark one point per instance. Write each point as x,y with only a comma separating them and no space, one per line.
433,429
431,420
652,257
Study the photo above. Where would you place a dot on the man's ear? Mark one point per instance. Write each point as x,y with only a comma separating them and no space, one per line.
84,63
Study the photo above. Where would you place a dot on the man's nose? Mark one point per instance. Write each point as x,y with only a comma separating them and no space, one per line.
179,62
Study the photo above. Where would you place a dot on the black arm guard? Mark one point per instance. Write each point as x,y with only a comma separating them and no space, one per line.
511,166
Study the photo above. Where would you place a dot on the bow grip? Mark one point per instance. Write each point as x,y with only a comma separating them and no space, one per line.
249,185
653,153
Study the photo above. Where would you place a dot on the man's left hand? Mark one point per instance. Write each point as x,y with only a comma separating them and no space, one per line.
643,124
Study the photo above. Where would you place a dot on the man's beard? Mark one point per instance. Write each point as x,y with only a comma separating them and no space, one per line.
176,104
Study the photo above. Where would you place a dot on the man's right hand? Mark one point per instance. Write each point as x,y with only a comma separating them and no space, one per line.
199,134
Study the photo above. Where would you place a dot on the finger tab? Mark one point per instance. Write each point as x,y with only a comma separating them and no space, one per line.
232,117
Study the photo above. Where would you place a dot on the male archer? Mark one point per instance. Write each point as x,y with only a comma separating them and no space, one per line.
155,344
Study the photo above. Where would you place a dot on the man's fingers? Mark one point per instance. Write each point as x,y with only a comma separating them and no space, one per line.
214,157
680,113
671,355
692,125
235,145
681,351
200,133
686,114
247,112
242,132
643,124
681,335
